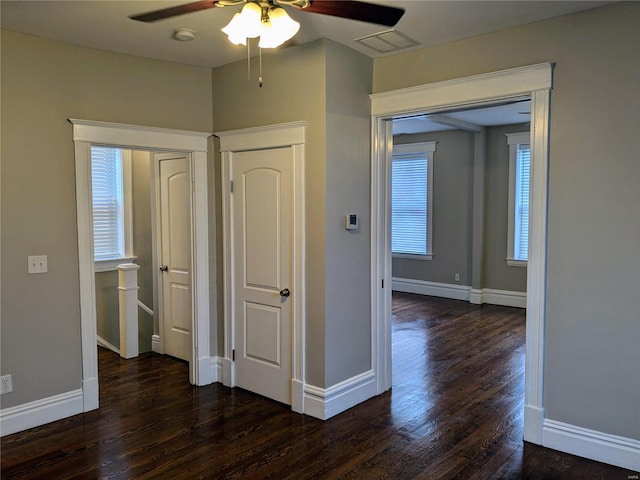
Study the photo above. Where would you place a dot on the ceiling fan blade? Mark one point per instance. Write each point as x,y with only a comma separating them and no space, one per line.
174,11
355,10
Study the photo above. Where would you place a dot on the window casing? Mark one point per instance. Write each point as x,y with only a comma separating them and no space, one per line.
411,203
111,198
519,198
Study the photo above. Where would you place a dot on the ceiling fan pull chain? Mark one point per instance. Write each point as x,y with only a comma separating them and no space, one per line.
260,77
248,59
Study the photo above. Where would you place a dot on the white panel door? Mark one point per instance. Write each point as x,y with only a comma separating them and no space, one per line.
175,256
261,203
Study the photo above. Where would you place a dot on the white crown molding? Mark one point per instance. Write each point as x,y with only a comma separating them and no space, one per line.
268,136
512,82
140,136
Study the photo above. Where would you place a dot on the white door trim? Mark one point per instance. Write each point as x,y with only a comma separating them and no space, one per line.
272,136
534,81
86,133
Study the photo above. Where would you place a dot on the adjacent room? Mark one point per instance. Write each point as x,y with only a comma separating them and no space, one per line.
234,317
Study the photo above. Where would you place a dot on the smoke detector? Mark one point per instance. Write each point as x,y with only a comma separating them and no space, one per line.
184,35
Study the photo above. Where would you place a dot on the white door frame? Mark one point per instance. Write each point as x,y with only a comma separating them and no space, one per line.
534,81
87,133
259,138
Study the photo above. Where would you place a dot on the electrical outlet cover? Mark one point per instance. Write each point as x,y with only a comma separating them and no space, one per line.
37,264
6,385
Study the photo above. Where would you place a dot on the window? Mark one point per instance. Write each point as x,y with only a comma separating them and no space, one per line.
111,197
519,183
411,200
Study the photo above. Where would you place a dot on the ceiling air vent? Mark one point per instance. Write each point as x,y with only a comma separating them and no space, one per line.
387,41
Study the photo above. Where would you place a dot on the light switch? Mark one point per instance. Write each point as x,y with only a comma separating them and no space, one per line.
37,264
351,221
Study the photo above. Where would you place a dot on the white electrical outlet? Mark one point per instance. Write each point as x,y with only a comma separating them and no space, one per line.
457,277
6,385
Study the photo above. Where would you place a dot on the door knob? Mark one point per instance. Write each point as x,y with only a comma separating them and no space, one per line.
285,292
163,268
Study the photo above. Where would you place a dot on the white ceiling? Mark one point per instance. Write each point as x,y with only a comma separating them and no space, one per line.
470,120
105,25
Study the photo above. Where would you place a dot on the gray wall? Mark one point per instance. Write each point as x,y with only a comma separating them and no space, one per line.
453,235
592,329
143,242
294,89
348,185
452,210
327,85
495,272
107,307
43,84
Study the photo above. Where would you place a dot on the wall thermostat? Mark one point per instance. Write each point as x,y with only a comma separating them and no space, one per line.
351,221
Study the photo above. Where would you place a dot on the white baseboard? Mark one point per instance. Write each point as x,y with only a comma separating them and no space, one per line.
33,414
297,396
325,403
91,395
103,343
505,298
228,378
533,420
475,296
216,369
619,451
155,344
433,289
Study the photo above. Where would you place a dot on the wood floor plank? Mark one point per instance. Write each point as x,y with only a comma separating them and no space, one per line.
455,411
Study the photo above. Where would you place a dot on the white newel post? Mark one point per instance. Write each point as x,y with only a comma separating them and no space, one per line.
128,299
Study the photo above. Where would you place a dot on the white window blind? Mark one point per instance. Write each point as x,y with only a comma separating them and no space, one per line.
521,220
519,191
409,208
108,203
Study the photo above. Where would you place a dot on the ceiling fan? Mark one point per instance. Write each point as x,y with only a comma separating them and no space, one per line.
267,19
352,9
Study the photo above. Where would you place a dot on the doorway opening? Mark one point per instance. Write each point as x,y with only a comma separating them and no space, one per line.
141,215
202,368
264,274
460,94
449,253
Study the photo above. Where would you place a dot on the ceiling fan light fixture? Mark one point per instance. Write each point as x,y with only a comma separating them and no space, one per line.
268,36
285,26
271,24
245,24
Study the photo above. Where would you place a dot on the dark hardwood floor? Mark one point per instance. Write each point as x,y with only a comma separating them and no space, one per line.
455,411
